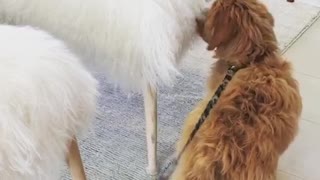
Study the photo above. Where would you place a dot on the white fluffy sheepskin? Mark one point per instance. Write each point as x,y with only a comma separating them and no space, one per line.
46,97
135,41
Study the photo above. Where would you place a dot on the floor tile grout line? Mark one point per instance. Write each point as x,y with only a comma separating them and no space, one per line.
299,35
310,121
312,4
290,173
305,74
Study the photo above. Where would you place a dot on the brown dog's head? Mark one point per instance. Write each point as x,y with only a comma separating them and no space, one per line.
238,29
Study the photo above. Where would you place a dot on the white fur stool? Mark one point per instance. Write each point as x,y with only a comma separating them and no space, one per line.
46,98
138,43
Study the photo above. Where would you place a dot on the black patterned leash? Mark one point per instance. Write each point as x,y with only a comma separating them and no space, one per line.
167,171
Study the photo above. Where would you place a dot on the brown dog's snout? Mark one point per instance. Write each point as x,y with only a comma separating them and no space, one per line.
201,21
200,26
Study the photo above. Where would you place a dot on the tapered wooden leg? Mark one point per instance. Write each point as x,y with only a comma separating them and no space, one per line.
74,161
150,106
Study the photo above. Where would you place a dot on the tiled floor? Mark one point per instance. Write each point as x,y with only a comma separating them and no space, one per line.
311,2
302,160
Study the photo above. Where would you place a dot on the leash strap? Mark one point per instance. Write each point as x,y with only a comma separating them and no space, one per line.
167,171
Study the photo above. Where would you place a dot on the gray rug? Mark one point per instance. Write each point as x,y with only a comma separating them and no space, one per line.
115,147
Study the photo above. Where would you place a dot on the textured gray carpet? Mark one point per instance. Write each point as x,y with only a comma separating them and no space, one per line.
115,147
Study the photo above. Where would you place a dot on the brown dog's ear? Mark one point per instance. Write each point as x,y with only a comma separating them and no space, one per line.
219,29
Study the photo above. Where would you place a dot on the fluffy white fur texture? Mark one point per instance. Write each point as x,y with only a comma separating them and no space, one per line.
46,97
135,41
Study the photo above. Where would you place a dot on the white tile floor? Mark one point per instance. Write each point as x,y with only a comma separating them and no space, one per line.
311,2
302,159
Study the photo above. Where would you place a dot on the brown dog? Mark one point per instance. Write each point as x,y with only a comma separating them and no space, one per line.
256,117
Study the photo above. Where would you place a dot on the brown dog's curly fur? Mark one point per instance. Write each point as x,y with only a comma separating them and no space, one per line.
256,117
